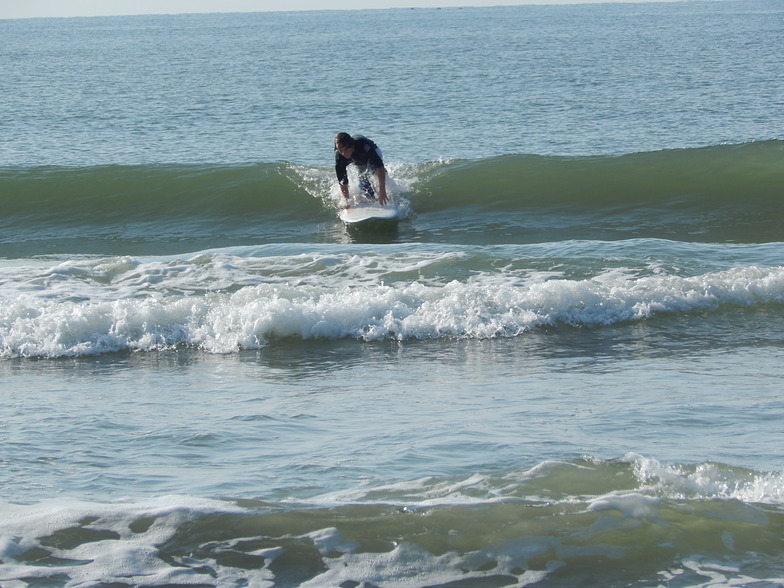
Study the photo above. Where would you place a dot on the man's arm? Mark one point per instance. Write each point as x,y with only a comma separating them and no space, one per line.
342,174
381,176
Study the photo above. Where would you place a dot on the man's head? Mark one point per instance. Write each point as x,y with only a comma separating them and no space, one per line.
344,144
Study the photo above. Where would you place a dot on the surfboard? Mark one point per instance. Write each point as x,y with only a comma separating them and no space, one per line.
367,212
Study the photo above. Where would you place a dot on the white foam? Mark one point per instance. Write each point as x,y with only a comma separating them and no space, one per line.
148,310
129,556
424,492
709,481
405,566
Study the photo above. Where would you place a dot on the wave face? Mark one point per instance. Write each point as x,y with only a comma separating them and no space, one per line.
722,194
154,208
728,193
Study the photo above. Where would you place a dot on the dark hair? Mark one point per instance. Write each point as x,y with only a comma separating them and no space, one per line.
344,140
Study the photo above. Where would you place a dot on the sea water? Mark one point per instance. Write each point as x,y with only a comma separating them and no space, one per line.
562,367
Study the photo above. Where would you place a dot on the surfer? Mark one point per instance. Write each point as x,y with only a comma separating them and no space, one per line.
366,156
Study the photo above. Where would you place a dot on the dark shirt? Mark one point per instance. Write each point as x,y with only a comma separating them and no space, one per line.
366,157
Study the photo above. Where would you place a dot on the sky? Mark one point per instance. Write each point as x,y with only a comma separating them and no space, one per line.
60,8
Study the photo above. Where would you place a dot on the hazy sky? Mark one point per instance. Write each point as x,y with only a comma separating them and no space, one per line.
34,8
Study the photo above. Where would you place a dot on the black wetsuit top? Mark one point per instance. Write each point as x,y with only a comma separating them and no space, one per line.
366,157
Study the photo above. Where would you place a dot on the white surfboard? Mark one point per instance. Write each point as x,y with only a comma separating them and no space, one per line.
367,212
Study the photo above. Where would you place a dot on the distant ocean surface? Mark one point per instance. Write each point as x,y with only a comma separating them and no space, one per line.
562,368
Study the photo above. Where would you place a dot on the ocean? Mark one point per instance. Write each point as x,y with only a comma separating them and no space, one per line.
561,368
